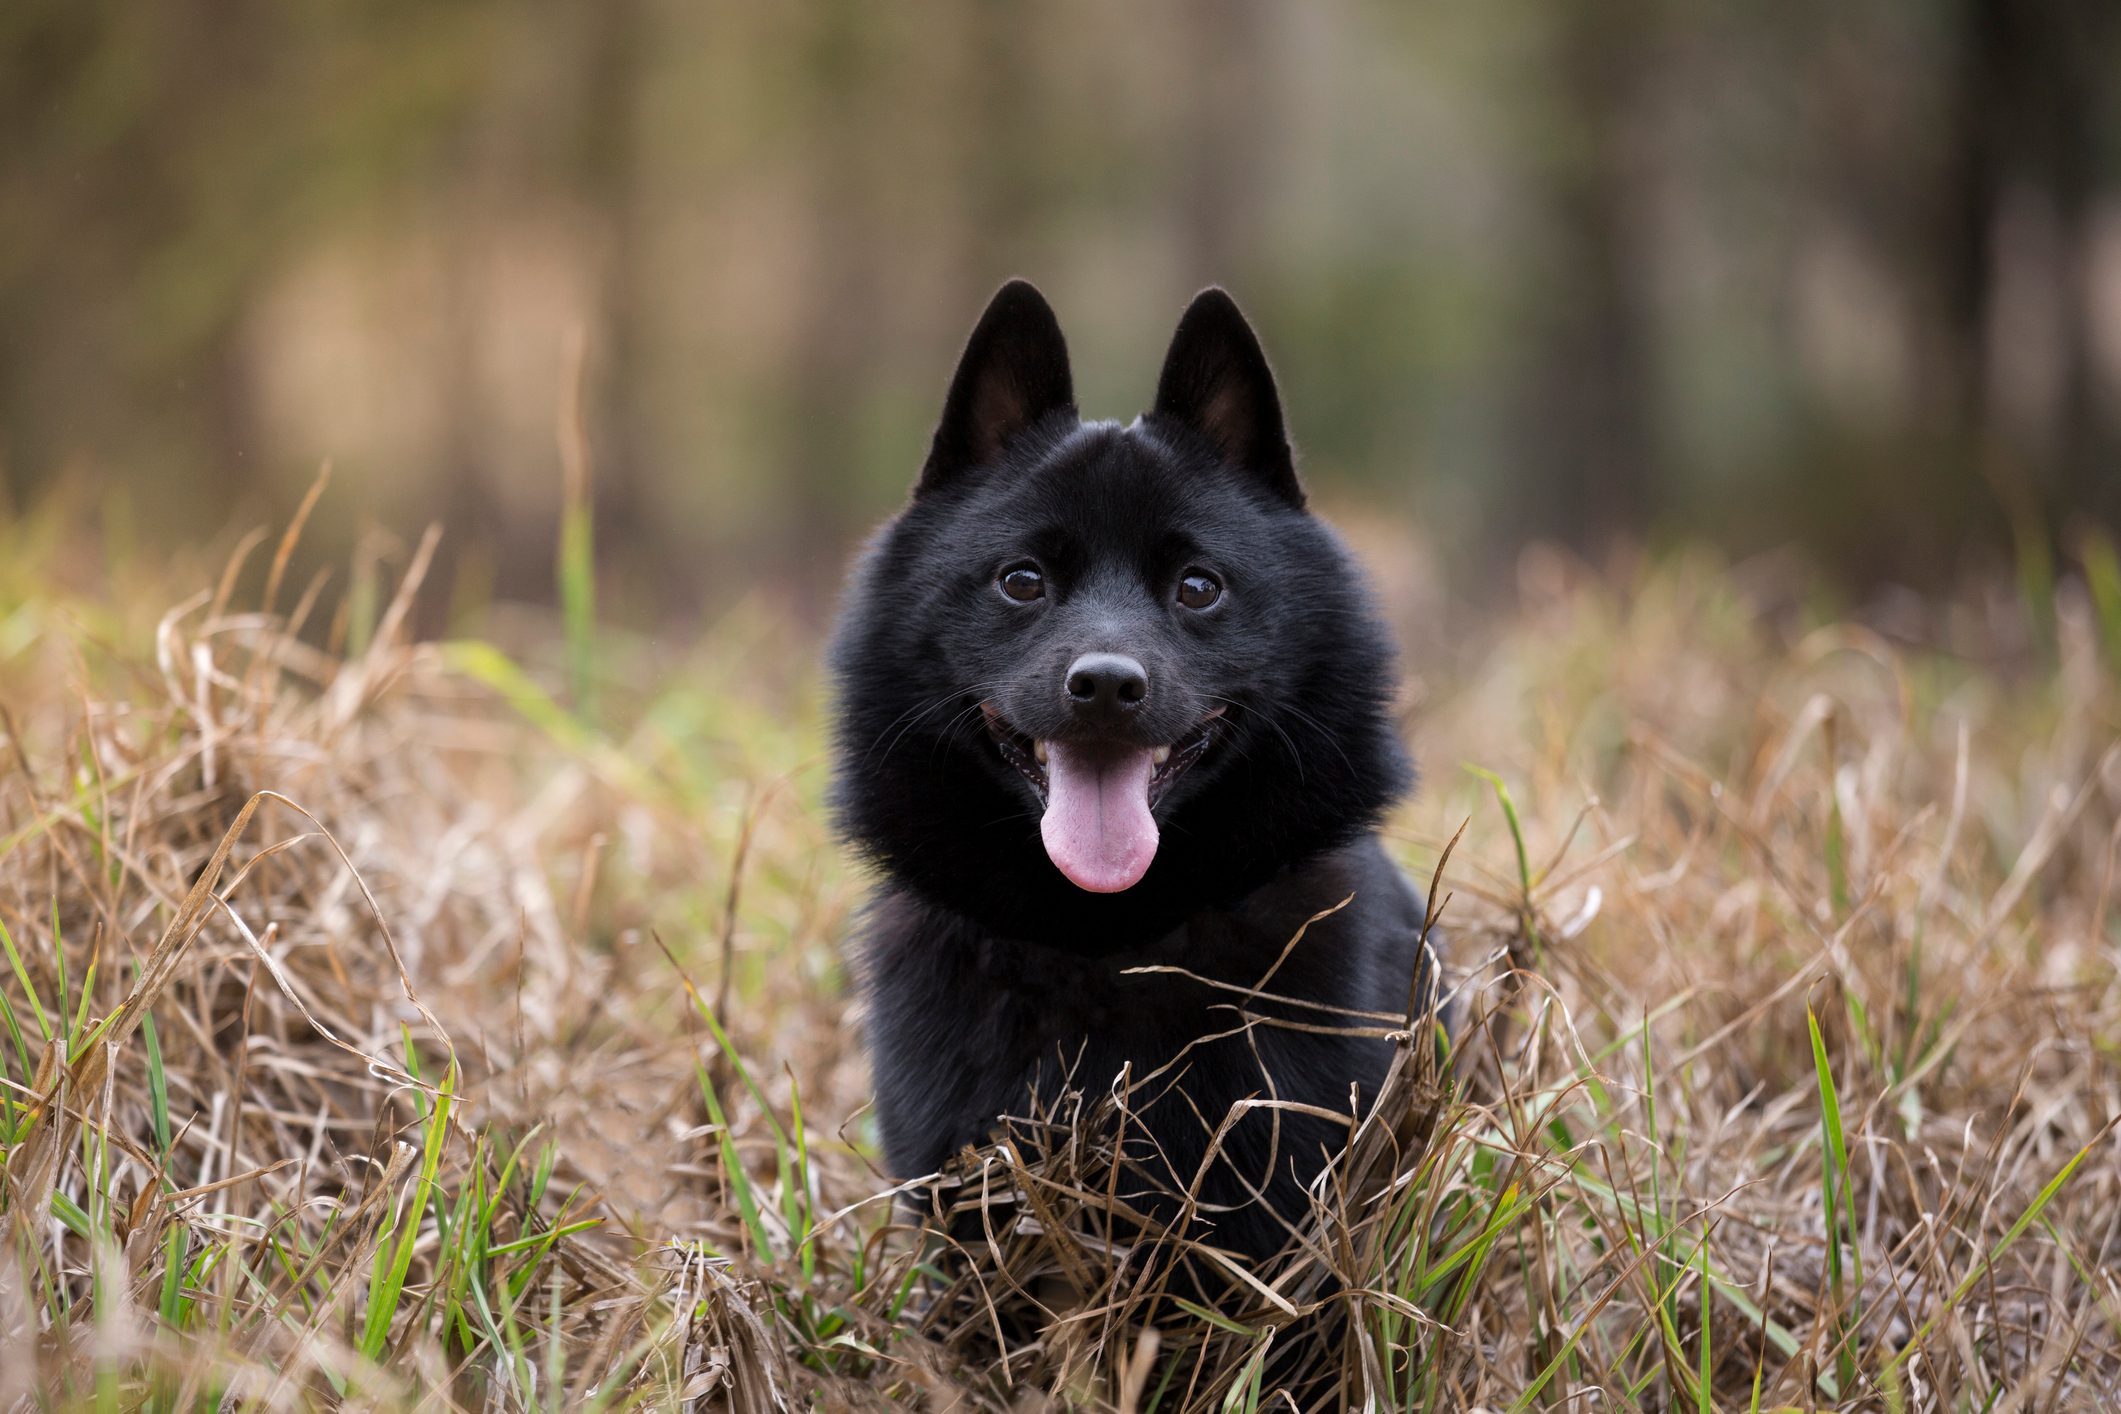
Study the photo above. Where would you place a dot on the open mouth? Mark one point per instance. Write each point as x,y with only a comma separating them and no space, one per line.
1098,797
1031,758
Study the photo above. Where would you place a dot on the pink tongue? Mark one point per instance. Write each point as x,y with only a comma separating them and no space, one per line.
1097,827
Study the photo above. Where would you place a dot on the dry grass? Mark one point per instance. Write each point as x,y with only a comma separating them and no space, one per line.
350,1054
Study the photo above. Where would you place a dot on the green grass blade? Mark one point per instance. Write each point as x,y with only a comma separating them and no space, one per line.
384,1295
66,996
1845,1274
1703,1404
578,604
739,1181
2017,1229
8,1104
2102,576
29,988
1509,814
157,1088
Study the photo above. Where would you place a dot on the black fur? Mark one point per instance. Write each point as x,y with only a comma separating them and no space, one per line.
985,973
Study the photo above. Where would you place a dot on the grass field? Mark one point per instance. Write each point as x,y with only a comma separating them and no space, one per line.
463,1024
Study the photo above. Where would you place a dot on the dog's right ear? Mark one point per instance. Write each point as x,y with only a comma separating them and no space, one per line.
1013,372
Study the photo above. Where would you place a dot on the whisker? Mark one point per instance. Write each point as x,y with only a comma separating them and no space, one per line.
977,691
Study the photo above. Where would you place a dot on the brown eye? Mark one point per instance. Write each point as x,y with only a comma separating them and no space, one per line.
1023,583
1197,589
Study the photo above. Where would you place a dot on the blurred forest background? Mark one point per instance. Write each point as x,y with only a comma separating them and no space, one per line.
1839,273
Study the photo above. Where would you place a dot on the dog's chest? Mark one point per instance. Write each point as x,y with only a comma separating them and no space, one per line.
1063,997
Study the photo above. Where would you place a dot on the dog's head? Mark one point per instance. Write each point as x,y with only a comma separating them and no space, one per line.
1131,647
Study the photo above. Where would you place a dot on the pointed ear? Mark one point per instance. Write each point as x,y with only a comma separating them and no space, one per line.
1216,381
1013,372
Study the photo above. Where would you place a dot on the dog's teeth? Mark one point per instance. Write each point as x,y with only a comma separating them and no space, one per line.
1160,755
1038,749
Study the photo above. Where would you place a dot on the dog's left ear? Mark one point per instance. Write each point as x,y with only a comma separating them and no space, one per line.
1217,382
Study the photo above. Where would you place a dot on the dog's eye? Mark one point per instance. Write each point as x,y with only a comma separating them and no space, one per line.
1197,589
1022,582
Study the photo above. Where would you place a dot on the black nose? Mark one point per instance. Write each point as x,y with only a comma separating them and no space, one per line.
1110,682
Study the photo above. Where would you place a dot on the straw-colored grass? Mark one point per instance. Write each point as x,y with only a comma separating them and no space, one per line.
382,1026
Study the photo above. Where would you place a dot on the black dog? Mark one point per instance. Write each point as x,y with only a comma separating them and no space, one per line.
1111,698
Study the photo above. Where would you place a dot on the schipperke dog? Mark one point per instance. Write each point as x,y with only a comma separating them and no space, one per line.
1111,698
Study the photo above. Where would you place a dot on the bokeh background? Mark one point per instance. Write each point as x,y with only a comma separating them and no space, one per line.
1843,275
